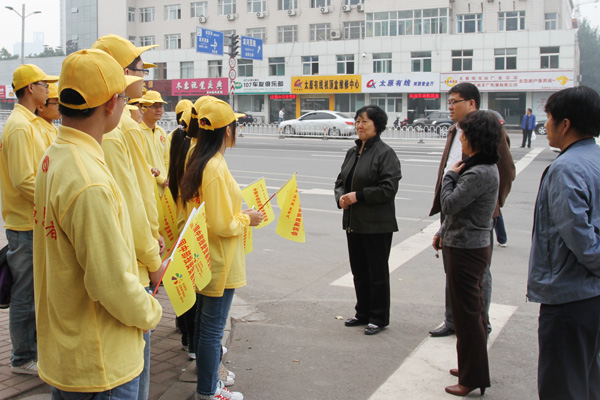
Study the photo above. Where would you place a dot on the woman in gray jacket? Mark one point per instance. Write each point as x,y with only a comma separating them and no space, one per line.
468,198
366,189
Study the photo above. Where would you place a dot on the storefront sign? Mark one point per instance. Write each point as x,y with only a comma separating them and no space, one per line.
424,96
282,97
506,81
6,92
418,82
273,84
200,86
326,84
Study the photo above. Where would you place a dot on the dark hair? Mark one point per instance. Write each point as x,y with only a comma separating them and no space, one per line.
375,114
21,92
529,109
134,62
482,129
580,105
209,143
180,145
467,91
73,97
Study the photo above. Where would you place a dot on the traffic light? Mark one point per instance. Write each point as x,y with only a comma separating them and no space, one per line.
234,45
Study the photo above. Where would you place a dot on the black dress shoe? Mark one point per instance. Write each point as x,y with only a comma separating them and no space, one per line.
354,322
372,329
441,331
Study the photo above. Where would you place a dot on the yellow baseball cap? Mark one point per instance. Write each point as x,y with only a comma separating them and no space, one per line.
131,108
218,114
201,100
183,105
28,73
120,48
153,96
186,117
52,91
141,101
149,65
95,75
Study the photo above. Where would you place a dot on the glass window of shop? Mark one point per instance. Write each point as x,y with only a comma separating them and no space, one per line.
309,103
511,105
279,101
251,103
349,102
420,103
390,103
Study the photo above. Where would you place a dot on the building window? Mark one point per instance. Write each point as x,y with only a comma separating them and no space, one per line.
354,30
160,72
353,2
255,6
131,14
420,61
505,59
258,33
276,66
287,4
549,57
382,63
551,21
319,32
345,64
198,8
186,69
310,65
193,40
462,60
251,103
407,22
390,103
147,14
173,41
287,34
245,68
469,23
132,40
511,21
215,68
226,7
173,12
147,41
349,102
319,3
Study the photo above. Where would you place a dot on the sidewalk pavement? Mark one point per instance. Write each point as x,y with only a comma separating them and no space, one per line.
172,373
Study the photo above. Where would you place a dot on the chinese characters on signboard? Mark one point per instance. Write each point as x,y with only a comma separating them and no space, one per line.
420,82
273,84
511,81
326,84
200,86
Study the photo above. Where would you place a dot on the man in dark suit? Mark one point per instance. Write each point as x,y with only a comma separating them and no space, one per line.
464,98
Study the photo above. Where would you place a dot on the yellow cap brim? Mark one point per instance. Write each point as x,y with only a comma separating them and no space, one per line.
239,115
50,78
131,108
145,48
132,79
149,65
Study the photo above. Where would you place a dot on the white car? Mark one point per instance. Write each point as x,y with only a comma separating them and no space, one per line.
322,123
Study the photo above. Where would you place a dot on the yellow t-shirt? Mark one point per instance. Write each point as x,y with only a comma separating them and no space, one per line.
156,146
47,130
120,164
21,148
137,148
226,224
90,307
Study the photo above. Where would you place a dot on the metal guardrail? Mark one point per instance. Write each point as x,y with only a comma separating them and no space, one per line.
391,132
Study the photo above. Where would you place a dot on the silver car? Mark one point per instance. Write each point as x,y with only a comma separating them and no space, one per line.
321,123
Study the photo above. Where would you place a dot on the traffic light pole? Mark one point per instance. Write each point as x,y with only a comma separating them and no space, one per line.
234,46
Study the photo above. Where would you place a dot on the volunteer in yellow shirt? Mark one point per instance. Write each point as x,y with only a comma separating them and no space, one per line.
91,308
207,179
21,150
155,137
46,115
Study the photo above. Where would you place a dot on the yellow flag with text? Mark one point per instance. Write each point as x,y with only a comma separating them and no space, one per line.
167,218
179,287
255,195
248,243
200,250
290,224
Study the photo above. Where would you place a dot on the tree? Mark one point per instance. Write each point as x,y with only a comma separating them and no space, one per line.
5,54
49,52
589,47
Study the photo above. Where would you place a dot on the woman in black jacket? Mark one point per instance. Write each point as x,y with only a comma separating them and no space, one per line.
365,189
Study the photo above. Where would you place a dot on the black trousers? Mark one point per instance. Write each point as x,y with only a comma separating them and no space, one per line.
465,281
526,137
369,255
569,340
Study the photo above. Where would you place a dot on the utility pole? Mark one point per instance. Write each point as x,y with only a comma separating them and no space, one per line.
23,16
234,47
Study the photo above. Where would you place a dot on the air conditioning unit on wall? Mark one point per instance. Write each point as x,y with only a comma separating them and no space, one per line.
202,19
291,13
346,8
325,10
230,17
260,14
360,8
335,34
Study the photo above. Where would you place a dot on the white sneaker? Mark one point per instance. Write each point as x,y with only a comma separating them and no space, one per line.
192,356
29,368
226,393
226,376
502,244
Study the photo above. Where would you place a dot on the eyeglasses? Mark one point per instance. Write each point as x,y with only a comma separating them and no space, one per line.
157,105
145,71
42,84
453,102
126,98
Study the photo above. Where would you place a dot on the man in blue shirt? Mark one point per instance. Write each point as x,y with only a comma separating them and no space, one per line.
564,263
528,124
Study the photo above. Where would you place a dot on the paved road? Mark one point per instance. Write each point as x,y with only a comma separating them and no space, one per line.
294,347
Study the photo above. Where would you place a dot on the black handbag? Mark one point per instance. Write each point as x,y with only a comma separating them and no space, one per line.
6,279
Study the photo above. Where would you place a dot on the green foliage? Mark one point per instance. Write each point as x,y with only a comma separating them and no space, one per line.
589,46
49,52
5,54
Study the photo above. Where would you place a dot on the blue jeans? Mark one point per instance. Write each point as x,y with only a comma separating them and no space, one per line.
22,306
126,391
500,229
145,375
211,317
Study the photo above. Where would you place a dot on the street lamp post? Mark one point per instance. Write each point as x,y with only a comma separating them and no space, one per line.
23,16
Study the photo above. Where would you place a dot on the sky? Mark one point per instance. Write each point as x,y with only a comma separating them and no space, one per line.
49,20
